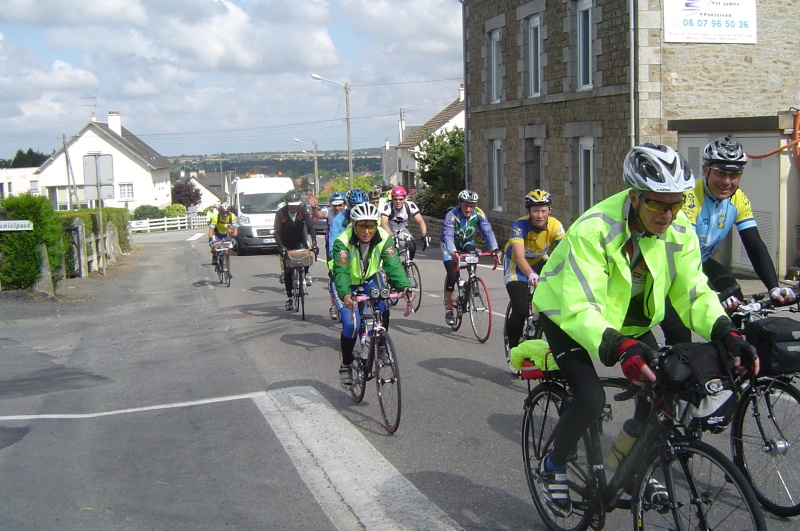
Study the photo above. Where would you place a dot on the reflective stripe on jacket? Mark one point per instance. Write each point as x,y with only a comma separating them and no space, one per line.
382,256
585,287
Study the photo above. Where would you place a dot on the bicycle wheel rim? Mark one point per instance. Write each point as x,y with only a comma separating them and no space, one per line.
415,279
771,462
302,284
480,309
708,492
387,379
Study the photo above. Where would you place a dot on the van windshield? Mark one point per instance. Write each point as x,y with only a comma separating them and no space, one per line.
262,203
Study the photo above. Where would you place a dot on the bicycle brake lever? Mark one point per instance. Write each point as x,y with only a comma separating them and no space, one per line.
631,391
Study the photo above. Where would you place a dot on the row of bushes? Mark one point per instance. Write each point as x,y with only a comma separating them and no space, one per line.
19,255
152,212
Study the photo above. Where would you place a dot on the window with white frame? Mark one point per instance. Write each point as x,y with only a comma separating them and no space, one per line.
126,192
585,44
34,187
496,58
534,56
586,173
496,173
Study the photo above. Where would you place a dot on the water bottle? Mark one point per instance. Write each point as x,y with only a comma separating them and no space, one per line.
631,430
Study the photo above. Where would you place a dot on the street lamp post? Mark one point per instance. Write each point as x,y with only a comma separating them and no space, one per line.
346,86
313,144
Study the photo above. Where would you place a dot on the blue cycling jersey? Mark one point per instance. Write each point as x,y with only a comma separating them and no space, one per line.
712,219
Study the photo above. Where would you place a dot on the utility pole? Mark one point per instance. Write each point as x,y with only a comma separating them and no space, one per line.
72,192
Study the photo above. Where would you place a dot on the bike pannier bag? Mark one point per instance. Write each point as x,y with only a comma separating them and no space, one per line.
700,376
777,341
299,258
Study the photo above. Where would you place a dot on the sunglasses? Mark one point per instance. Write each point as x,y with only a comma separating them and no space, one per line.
659,207
728,174
363,228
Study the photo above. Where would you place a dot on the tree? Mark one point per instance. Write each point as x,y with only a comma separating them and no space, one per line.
186,193
440,165
25,159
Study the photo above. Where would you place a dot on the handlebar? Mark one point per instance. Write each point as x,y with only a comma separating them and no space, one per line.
383,295
223,245
466,258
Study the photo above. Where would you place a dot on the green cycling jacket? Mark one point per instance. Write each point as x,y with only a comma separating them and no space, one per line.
382,256
585,287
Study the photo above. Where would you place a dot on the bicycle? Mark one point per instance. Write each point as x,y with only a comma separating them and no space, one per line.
473,296
376,357
222,261
412,270
297,261
679,481
765,433
532,329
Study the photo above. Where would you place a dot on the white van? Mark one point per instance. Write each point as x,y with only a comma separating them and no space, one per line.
255,201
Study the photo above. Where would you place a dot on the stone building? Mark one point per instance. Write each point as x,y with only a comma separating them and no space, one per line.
549,97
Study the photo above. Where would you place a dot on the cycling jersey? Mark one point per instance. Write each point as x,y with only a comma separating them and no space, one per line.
712,219
537,243
458,231
398,219
220,224
339,223
291,230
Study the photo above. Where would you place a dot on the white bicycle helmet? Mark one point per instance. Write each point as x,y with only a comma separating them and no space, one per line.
364,211
657,168
467,196
725,153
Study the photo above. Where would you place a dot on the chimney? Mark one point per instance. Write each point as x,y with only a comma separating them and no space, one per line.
115,122
461,92
94,117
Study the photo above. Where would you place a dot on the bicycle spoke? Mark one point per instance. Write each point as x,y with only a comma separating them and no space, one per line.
387,378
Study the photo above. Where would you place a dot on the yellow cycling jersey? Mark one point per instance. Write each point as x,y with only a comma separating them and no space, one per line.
536,244
221,225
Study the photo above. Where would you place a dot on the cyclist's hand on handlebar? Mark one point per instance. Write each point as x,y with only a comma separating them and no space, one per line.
347,300
407,294
635,359
743,353
782,295
425,241
533,279
455,256
731,303
497,255
315,249
211,242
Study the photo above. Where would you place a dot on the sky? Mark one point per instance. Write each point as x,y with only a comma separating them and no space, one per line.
203,77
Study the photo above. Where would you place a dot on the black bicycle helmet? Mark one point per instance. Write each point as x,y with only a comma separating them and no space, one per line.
293,197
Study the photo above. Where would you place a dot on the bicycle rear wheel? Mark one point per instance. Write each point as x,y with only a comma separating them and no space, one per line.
709,492
765,441
480,309
542,411
387,379
359,377
415,280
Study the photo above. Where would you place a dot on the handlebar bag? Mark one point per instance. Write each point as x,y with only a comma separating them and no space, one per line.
777,341
700,376
299,258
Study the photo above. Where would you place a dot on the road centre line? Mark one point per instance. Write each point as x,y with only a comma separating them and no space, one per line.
194,237
353,483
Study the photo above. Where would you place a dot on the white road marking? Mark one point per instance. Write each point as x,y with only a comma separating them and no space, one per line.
353,483
194,237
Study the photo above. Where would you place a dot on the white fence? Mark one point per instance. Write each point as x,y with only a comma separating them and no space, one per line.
165,224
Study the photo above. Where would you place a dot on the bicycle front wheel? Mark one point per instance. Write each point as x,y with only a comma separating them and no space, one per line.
220,269
387,378
480,309
359,377
297,286
765,441
543,408
302,292
415,280
708,492
228,270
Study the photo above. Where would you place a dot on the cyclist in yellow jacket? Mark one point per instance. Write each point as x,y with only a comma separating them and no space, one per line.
363,255
605,287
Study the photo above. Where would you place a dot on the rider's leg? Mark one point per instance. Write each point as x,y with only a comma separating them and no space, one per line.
588,396
518,294
412,248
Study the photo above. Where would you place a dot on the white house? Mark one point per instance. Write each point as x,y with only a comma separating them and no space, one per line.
448,118
17,181
141,175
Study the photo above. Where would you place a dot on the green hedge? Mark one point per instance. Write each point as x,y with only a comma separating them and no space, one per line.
118,216
21,263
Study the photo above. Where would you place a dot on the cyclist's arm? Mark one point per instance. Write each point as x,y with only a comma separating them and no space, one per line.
447,237
341,271
392,265
421,222
486,230
518,254
312,234
385,224
277,230
759,257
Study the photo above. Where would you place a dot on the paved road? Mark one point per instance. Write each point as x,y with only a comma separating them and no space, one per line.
154,398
